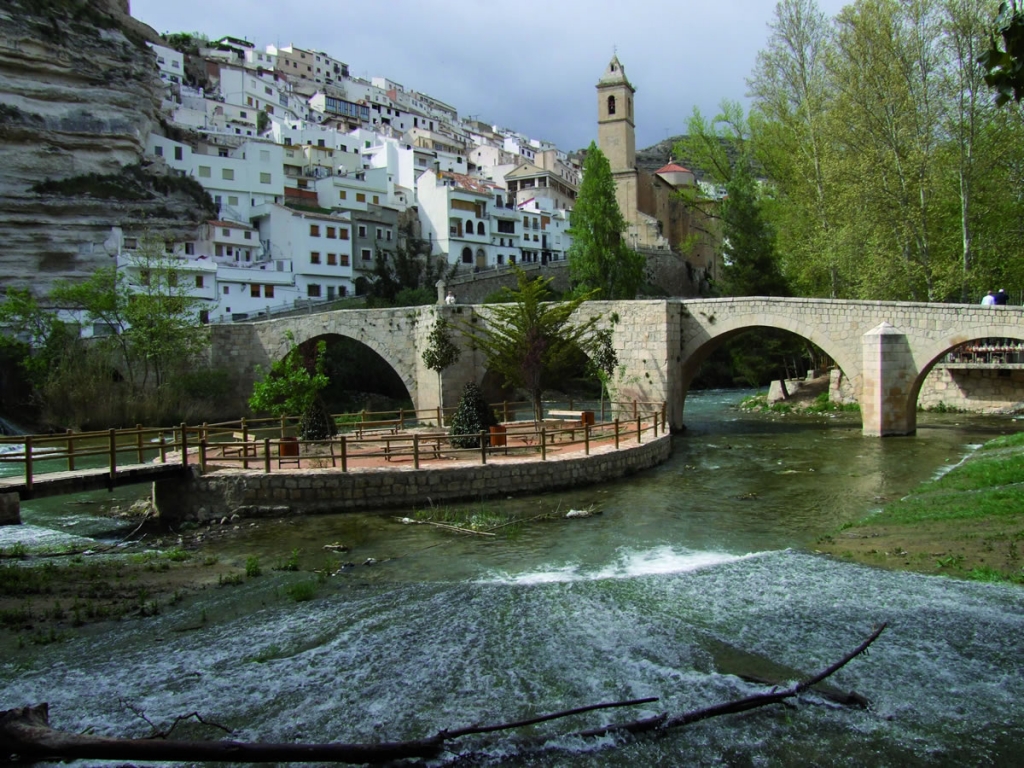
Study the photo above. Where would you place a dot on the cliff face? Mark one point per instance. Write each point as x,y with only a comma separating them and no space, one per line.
79,94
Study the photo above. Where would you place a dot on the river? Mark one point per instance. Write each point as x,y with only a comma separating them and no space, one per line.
697,569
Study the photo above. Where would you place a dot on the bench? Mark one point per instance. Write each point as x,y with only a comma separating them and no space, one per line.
372,428
429,444
248,449
577,417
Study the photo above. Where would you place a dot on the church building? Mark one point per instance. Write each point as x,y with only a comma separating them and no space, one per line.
679,243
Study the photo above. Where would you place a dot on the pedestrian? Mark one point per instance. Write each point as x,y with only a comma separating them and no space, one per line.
988,300
449,299
1002,298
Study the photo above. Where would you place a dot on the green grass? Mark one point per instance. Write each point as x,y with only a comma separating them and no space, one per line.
986,503
302,591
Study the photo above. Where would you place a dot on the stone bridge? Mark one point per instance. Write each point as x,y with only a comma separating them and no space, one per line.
884,349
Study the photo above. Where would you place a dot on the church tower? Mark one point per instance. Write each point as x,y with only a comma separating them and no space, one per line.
616,136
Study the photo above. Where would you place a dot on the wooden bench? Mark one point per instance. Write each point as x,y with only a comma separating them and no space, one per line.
429,444
248,449
372,428
577,417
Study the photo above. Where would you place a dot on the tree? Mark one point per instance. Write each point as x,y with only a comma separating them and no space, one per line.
292,386
472,416
751,265
599,260
603,360
1004,65
405,278
441,353
529,341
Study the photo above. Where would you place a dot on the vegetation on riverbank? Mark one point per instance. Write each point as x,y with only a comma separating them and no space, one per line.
968,523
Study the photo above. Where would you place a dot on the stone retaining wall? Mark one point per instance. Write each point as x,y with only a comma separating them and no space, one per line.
255,494
975,390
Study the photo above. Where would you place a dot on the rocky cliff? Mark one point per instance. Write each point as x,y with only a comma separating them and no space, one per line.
79,94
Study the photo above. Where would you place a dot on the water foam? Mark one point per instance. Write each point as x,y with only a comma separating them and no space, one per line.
631,563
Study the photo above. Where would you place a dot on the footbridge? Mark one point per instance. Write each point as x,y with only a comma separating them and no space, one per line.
884,349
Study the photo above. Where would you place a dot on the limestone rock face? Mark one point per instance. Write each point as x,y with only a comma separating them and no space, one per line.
79,94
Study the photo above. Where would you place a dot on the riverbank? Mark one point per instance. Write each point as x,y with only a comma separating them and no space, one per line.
968,523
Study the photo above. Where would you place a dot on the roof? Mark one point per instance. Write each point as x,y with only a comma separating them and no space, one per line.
615,74
470,183
673,168
232,224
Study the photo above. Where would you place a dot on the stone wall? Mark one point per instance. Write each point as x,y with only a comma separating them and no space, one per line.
973,389
255,494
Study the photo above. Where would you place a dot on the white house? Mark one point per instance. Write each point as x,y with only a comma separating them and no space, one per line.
169,62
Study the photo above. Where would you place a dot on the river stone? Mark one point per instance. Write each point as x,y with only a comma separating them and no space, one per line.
10,509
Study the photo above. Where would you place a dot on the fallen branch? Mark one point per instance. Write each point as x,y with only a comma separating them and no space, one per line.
26,732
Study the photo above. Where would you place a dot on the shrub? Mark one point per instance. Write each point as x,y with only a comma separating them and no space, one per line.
472,416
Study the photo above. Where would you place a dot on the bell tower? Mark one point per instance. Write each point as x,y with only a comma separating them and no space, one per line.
615,133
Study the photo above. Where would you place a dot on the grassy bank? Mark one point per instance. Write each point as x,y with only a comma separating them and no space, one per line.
969,523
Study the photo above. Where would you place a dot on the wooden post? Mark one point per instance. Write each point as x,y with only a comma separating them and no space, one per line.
483,447
266,455
543,444
163,448
586,439
284,424
344,454
113,455
202,455
638,428
440,418
655,422
184,444
415,451
71,452
401,419
28,462
634,409
245,444
616,434
504,410
138,443
205,434
664,416
570,403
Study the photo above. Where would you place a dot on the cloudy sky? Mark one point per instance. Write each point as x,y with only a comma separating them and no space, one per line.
529,65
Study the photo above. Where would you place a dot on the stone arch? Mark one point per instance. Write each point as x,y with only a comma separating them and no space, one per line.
927,356
718,331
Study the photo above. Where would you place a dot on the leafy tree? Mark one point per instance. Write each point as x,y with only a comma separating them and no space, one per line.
603,360
441,353
529,341
292,386
1004,64
405,278
599,259
472,416
751,265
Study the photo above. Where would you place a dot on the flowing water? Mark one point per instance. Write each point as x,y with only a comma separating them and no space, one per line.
694,572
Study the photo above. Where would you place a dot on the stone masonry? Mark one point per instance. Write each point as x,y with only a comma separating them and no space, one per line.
662,343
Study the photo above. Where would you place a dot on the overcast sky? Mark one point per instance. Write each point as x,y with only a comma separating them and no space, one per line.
530,65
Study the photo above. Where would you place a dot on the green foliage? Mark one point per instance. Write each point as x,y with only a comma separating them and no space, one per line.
441,352
302,591
404,278
292,386
262,122
599,260
529,341
472,416
1004,64
252,567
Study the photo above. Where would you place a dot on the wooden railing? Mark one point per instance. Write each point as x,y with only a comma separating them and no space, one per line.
391,435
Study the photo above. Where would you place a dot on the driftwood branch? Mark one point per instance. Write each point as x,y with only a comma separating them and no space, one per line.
26,733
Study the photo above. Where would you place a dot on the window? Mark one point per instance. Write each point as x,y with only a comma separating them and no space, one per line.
332,259
480,228
218,250
362,230
248,235
332,233
376,199
226,232
320,142
227,174
367,255
200,281
388,233
314,230
342,233
360,197
501,259
172,279
232,199
254,291
226,290
467,256
249,102
245,114
342,195
344,259
380,233
611,105
313,291
264,155
314,257
190,249
204,171
264,178
268,291
159,151
268,89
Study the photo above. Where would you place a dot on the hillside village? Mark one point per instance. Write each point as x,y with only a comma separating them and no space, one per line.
315,173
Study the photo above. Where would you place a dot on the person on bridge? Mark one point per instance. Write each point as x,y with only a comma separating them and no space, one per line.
988,300
1002,298
449,299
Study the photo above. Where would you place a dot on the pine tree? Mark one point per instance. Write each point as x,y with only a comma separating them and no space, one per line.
598,257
